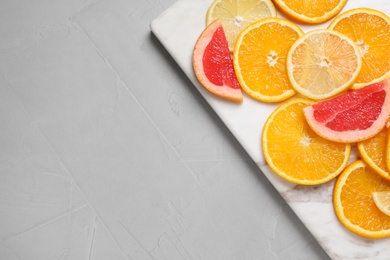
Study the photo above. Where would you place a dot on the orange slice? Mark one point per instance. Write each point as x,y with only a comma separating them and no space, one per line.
353,201
387,149
323,63
295,152
213,64
260,58
370,30
310,11
235,15
353,116
373,152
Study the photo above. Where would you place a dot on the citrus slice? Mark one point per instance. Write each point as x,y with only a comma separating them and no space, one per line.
323,63
353,201
235,15
310,11
260,58
213,63
387,149
353,116
382,201
294,152
373,152
370,30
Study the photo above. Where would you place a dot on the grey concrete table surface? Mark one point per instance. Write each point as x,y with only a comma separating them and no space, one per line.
107,151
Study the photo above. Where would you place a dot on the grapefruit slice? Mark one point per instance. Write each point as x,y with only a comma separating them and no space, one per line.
213,63
353,116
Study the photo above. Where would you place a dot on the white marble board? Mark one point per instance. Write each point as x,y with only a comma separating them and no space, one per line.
178,28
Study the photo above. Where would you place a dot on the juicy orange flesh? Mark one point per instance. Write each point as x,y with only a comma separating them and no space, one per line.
371,33
357,201
375,148
310,8
353,110
388,147
218,62
333,62
264,66
298,151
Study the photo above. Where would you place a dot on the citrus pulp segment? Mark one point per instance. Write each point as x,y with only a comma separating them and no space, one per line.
387,149
323,63
382,201
353,201
213,64
373,152
370,30
235,15
311,11
353,116
260,58
294,152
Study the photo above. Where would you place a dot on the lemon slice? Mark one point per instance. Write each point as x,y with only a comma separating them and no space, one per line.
235,15
323,63
382,201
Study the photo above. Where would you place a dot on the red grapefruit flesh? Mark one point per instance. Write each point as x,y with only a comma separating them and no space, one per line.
353,116
213,63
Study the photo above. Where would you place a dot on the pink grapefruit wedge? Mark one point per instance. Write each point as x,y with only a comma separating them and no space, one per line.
353,116
213,63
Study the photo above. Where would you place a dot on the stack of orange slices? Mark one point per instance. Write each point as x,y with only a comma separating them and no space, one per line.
340,76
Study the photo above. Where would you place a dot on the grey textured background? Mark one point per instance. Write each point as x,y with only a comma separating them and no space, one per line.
107,151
